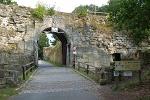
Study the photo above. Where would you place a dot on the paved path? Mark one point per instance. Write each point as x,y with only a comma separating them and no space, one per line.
58,83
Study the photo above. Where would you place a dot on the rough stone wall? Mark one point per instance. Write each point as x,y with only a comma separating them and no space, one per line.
16,36
53,53
95,39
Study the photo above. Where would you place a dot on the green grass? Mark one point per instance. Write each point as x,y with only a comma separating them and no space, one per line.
7,91
54,63
90,75
128,84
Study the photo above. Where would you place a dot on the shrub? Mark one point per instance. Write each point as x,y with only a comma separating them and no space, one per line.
50,11
39,12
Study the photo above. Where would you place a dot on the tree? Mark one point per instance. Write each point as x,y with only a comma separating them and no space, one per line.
8,2
81,11
42,42
55,40
103,8
131,15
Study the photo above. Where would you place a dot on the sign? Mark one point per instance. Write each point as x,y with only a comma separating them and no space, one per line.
74,48
74,52
116,73
127,73
127,65
54,29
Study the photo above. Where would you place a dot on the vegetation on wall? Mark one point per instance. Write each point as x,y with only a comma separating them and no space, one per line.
81,11
50,10
43,41
41,10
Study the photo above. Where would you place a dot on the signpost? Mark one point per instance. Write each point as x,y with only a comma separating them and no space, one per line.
127,67
74,54
54,29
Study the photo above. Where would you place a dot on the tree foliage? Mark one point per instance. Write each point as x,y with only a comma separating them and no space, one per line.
55,40
50,10
8,2
42,42
42,10
131,15
82,10
39,12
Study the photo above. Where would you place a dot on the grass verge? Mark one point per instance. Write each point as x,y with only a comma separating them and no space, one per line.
6,91
89,75
54,63
135,89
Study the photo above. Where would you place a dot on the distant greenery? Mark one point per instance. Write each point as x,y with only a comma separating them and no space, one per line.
8,2
82,10
55,40
43,41
41,10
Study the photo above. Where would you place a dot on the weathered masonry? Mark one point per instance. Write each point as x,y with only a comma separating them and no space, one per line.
95,40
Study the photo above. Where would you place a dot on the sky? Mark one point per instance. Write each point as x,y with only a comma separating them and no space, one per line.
61,5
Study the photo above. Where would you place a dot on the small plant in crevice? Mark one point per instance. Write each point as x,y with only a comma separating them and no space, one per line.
39,12
50,11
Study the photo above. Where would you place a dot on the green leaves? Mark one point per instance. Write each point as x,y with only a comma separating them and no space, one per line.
42,42
131,15
41,10
8,2
81,11
50,11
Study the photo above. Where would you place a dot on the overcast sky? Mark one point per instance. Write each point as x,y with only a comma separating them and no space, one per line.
61,5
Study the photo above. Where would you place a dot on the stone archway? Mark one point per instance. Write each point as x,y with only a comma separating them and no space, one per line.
62,36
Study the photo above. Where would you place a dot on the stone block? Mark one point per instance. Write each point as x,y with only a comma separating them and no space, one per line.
2,73
20,29
102,81
2,80
3,14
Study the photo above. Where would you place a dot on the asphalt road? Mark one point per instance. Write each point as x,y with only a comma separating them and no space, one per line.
58,83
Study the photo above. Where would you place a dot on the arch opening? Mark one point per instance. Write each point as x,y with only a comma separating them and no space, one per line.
64,42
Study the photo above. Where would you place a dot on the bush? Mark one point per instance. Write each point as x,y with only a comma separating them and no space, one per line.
50,11
82,13
39,12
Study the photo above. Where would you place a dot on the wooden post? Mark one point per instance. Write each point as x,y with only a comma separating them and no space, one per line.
140,76
87,69
78,65
31,67
74,61
26,72
23,72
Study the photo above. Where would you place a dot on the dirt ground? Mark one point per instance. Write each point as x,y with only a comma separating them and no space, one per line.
141,92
